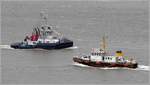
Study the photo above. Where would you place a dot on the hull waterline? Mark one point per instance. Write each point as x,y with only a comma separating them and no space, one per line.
47,46
104,64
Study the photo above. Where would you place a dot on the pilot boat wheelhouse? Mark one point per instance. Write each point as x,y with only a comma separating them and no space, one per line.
100,58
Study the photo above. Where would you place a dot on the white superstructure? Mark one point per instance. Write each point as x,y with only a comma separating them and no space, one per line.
100,55
43,33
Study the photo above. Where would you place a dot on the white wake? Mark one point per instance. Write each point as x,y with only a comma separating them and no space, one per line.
71,48
80,65
140,67
5,47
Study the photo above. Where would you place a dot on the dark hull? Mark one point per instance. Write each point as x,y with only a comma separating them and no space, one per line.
60,45
104,64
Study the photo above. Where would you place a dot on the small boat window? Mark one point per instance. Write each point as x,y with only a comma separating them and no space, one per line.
85,57
40,41
34,42
54,37
49,28
42,28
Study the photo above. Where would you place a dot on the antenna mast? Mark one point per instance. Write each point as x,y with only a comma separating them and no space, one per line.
103,44
44,17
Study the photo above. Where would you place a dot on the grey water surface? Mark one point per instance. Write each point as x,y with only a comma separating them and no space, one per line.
124,22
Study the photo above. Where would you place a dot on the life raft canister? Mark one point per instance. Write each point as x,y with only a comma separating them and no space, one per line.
34,37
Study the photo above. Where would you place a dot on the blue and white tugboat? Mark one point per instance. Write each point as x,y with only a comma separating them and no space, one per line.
44,37
100,58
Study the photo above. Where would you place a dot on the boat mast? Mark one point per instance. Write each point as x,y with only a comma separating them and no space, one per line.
46,30
44,18
44,25
103,44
